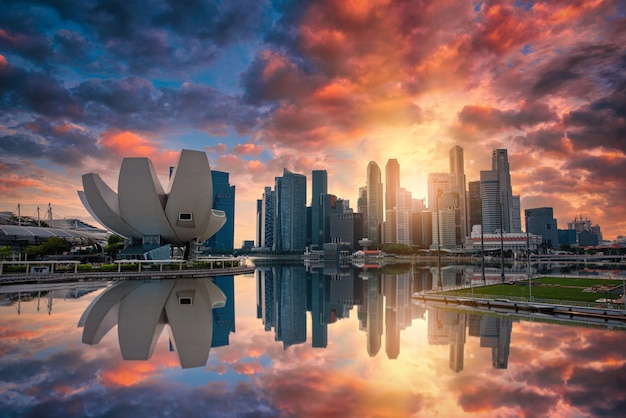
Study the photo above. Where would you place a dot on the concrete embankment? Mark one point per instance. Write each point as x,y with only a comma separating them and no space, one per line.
122,275
599,315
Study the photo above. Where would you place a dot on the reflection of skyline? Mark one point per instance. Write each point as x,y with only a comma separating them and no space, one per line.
383,303
384,308
449,328
195,311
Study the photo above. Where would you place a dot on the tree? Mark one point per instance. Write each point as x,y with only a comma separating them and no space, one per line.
115,244
5,252
55,245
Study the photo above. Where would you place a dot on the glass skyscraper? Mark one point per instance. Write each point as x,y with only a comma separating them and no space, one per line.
290,219
374,202
223,199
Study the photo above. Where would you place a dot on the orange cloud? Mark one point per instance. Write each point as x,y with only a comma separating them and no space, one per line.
127,144
248,149
128,373
219,148
118,145
247,368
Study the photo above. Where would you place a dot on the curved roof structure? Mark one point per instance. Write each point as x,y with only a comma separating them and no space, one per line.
11,233
141,207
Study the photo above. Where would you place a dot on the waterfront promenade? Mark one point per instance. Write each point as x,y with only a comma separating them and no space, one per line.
122,275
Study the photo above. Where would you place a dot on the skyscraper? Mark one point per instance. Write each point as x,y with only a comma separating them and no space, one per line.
290,221
319,188
475,210
501,210
403,209
436,181
223,199
392,184
490,201
374,202
259,221
362,209
457,184
268,212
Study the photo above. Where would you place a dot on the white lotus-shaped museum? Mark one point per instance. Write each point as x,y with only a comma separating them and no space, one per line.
141,208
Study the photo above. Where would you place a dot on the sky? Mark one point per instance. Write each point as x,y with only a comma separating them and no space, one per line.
307,85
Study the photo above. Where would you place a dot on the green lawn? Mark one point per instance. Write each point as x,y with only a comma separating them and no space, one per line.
557,288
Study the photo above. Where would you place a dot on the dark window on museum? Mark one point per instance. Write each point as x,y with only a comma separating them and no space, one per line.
184,301
184,216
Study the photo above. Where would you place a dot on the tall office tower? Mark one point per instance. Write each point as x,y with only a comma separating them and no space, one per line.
490,198
392,184
540,221
268,210
320,189
403,209
290,221
259,221
436,181
457,184
223,199
361,207
475,209
374,202
500,164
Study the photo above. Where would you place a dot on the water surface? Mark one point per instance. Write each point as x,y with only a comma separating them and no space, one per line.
294,343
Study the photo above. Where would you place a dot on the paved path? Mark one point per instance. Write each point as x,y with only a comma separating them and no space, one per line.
122,275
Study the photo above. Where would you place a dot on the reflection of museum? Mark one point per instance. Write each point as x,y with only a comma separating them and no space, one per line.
199,314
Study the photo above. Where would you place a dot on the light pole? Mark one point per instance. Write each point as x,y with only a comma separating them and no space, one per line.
482,241
439,283
530,283
501,242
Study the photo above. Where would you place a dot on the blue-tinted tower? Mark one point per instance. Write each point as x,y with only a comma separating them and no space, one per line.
223,199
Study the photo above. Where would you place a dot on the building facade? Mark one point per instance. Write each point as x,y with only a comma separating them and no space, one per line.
540,221
457,184
290,229
319,188
223,200
374,202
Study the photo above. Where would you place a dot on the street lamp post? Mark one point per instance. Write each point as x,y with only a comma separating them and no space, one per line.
482,240
501,242
439,283
530,283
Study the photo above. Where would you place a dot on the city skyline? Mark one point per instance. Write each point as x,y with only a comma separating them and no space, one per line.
266,87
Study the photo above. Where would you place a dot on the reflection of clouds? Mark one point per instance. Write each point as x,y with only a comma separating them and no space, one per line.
553,370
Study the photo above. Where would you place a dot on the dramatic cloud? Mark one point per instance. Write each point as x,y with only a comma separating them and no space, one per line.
321,84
